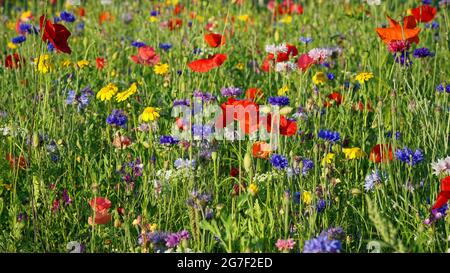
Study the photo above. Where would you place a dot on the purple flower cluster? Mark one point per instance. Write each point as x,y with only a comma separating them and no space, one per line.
327,242
204,96
329,135
199,200
409,156
163,240
67,17
231,91
201,131
138,44
180,102
441,88
131,171
279,101
279,162
117,118
168,140
82,100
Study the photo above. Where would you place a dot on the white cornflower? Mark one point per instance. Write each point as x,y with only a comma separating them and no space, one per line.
442,166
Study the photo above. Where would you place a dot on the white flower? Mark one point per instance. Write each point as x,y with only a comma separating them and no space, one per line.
274,49
374,2
285,66
442,166
320,54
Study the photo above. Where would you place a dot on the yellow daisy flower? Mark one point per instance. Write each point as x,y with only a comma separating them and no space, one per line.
12,45
253,189
328,159
82,64
282,91
243,17
319,78
149,114
364,77
353,153
43,64
161,69
307,197
286,20
107,92
122,96
240,66
66,63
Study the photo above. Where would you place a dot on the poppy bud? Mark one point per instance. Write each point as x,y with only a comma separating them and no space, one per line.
247,162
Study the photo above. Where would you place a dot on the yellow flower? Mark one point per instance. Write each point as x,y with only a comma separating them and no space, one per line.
122,96
82,64
66,63
107,92
253,189
161,69
43,64
286,20
282,91
11,25
149,114
319,78
25,16
364,77
12,45
243,17
240,66
200,18
307,197
172,2
328,159
152,227
352,153
153,19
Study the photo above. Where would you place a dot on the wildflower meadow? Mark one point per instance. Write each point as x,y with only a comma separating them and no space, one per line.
225,126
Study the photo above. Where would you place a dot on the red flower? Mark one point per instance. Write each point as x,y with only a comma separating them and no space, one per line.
100,62
254,94
105,16
178,9
16,162
381,153
56,34
287,127
360,106
81,12
336,97
101,206
146,56
281,57
261,149
304,62
205,65
174,24
424,13
214,40
286,7
234,172
244,111
13,61
444,195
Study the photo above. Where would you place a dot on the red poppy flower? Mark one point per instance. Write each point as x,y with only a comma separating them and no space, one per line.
424,14
56,34
81,12
16,162
234,172
360,106
100,63
261,149
304,62
101,206
444,195
205,65
14,61
281,57
381,153
254,94
105,16
336,97
178,9
214,40
146,56
397,32
174,24
287,127
286,7
244,111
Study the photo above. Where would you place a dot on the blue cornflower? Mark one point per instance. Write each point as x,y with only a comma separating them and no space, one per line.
201,131
117,118
19,39
185,102
83,100
441,88
197,50
330,76
67,17
165,46
409,157
168,140
138,44
181,163
56,19
230,91
50,47
398,135
306,40
322,244
371,180
426,2
71,97
279,101
154,13
403,59
321,205
297,195
422,53
279,161
307,166
25,28
204,96
80,27
329,135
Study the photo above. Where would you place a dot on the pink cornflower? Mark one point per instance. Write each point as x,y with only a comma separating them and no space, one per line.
399,46
320,54
285,245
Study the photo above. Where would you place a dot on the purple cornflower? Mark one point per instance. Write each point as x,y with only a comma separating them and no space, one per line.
199,200
204,96
409,157
172,240
154,13
231,91
185,102
25,28
371,180
306,40
117,118
131,171
279,101
403,59
329,135
168,140
422,53
19,39
67,17
278,161
22,217
66,198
